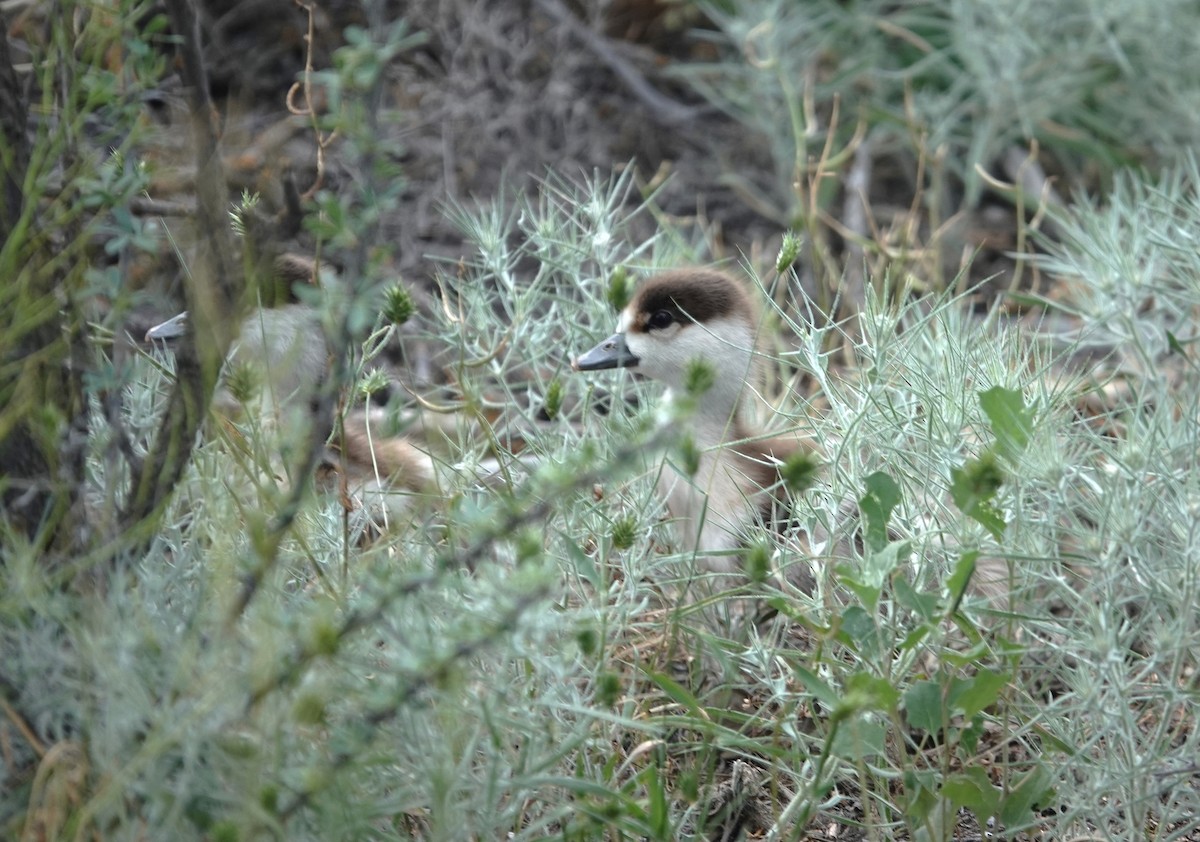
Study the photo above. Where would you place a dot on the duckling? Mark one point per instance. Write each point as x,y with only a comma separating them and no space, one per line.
280,345
284,352
677,317
284,348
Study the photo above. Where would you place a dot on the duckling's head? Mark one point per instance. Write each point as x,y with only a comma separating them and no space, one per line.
678,317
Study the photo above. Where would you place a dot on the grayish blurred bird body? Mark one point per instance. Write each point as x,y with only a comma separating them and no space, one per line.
283,349
274,372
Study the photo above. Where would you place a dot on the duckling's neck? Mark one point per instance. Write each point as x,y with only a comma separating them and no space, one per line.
718,416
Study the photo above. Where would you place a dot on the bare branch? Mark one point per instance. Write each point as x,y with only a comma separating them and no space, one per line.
215,281
661,107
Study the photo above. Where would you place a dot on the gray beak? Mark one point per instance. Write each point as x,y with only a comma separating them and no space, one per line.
168,330
611,353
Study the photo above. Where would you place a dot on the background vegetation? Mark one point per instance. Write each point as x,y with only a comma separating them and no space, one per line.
973,227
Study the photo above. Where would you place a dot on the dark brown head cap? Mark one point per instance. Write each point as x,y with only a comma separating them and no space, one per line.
690,295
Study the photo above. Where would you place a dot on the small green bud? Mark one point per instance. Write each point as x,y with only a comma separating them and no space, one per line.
315,779
46,422
528,546
973,489
324,639
241,746
624,532
375,382
799,471
689,785
268,797
698,377
608,688
554,399
241,211
225,831
587,640
620,288
689,456
789,250
612,811
242,381
758,562
398,305
983,476
309,709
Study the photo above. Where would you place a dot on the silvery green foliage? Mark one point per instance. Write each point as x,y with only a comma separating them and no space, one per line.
960,81
1132,265
1123,644
428,685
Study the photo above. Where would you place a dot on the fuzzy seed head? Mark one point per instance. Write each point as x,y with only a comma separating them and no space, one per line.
398,305
789,250
620,288
689,456
242,381
608,689
799,471
758,562
624,532
554,399
698,378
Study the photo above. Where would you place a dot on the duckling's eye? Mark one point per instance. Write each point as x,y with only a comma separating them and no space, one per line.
660,320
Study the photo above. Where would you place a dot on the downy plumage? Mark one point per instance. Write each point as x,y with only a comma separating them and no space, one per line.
677,317
285,355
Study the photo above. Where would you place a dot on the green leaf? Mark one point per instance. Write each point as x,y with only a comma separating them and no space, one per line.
677,692
913,639
870,692
867,594
879,563
657,816
1011,420
883,495
859,738
969,737
923,706
973,487
973,695
964,569
859,625
1033,789
919,791
814,684
924,605
584,565
972,789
